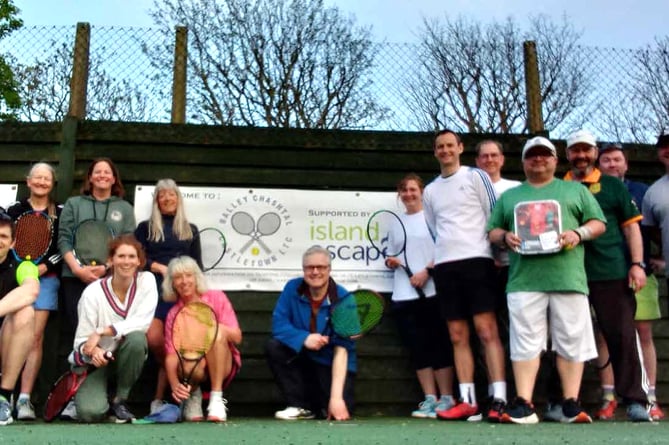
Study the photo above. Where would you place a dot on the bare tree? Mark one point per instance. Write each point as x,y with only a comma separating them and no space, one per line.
472,76
637,107
44,88
278,63
652,84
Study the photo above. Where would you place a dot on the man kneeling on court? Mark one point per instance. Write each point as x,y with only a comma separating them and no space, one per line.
315,372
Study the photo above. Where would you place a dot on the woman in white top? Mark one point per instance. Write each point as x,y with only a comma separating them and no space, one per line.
114,314
418,319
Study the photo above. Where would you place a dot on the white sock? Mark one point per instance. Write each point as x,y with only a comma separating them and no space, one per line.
468,393
215,395
499,390
24,396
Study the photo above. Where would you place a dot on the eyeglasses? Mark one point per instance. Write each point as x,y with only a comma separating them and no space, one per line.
315,267
42,178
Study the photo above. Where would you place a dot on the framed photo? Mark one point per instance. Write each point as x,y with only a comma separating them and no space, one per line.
538,224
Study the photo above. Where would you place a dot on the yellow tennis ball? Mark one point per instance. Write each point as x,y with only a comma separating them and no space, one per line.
568,246
26,270
255,251
93,263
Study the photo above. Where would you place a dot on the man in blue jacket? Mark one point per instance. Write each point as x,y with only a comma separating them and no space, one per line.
314,370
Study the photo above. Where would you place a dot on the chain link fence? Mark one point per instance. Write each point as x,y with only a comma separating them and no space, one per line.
130,79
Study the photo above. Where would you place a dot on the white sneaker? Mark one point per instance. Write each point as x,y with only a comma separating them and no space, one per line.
217,410
193,407
70,411
25,410
155,406
294,413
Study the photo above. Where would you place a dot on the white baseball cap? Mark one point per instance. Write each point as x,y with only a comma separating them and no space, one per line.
581,137
539,141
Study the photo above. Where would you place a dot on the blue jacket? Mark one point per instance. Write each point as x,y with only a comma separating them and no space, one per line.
290,324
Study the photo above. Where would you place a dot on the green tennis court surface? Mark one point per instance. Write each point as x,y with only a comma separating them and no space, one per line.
364,430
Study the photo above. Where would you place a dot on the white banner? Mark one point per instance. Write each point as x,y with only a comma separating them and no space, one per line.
7,195
268,230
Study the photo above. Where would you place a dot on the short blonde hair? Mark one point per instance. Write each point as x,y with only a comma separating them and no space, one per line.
179,265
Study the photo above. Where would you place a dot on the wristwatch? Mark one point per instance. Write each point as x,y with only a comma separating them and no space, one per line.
641,264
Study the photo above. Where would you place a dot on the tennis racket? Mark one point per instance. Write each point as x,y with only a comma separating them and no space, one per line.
193,334
387,234
355,314
91,239
214,247
34,233
64,390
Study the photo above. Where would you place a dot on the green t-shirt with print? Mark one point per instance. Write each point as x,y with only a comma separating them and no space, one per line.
562,271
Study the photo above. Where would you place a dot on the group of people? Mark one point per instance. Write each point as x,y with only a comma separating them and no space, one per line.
464,241
587,245
582,248
117,310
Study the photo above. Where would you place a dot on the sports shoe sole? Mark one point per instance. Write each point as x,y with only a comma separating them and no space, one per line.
527,420
582,417
216,419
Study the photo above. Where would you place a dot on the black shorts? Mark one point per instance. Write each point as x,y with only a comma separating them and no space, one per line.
424,333
466,287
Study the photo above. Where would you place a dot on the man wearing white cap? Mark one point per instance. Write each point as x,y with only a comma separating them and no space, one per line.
612,279
550,285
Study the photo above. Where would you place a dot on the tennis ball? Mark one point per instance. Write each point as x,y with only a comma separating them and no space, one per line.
255,251
26,270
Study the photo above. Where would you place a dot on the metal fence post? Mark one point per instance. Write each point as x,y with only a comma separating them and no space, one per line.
179,77
535,120
79,81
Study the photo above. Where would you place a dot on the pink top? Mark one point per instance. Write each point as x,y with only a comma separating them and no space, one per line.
225,314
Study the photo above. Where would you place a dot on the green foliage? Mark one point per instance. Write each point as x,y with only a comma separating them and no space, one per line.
9,95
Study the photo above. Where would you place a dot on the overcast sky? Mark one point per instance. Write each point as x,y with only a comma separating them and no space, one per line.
615,23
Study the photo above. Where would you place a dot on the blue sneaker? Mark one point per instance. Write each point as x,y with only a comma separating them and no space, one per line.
444,403
554,413
636,412
5,411
426,408
520,411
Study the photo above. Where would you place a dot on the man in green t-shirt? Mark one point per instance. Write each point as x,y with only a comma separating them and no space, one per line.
611,280
554,281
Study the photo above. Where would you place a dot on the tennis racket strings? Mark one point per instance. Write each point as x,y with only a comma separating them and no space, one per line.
34,232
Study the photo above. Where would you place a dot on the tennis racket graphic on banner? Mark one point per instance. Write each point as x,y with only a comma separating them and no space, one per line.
65,389
355,314
34,234
244,224
90,241
214,247
388,236
193,334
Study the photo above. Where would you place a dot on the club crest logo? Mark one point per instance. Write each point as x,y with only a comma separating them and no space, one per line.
258,227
